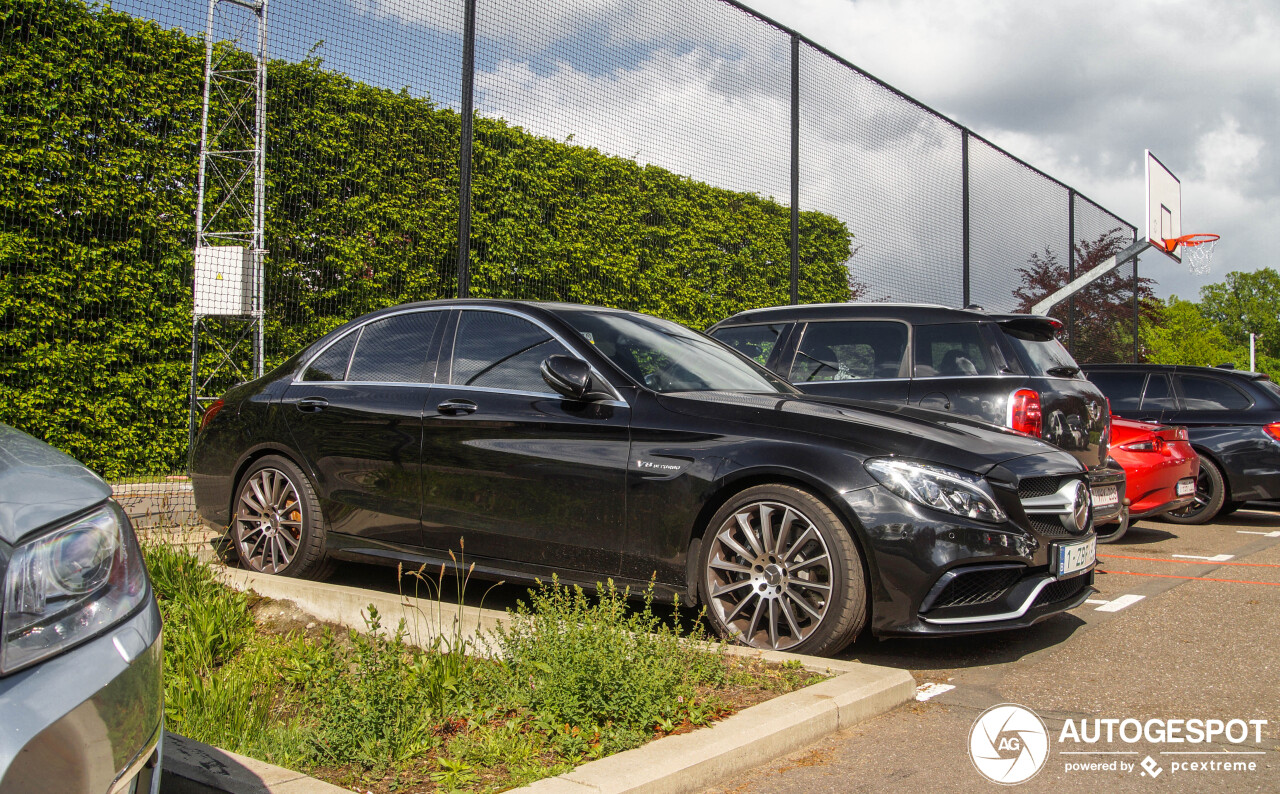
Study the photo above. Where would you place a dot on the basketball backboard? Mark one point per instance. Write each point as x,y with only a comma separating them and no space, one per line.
1164,207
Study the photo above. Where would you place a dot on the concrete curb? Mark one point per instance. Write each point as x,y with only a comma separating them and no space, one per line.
192,767
684,763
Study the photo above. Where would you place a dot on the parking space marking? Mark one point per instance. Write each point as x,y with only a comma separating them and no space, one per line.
931,690
1095,601
1197,561
1117,604
1196,578
1214,558
1275,534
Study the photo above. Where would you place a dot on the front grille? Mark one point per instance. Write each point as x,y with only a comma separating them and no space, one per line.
977,587
1049,526
1061,591
1031,487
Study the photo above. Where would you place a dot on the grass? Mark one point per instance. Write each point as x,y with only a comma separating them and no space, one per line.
580,677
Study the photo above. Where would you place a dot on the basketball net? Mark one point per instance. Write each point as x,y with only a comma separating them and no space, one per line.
1197,251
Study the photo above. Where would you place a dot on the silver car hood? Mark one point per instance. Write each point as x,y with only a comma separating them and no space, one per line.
40,485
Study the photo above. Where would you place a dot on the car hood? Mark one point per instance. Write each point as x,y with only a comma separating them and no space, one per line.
40,485
874,429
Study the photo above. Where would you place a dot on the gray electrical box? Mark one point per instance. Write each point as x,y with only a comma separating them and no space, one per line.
224,283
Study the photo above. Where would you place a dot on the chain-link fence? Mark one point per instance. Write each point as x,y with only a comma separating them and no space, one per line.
684,157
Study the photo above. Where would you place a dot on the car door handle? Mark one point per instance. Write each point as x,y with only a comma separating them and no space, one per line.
456,407
312,404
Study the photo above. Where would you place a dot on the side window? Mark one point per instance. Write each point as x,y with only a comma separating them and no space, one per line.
332,363
501,351
395,349
849,351
753,341
1123,389
1210,394
1158,396
949,350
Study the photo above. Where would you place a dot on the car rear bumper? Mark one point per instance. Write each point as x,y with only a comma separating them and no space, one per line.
1100,478
90,719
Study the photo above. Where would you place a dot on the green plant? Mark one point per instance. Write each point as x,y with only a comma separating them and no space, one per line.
596,662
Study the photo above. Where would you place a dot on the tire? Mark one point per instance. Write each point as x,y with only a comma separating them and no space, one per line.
763,579
277,527
1211,495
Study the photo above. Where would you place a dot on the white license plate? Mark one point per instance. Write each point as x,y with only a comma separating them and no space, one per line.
1105,496
1186,487
1072,557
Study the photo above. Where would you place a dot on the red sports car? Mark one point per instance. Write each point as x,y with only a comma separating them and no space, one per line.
1160,470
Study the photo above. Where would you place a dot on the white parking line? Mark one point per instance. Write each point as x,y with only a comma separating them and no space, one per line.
1120,603
1095,601
1264,534
1214,558
926,691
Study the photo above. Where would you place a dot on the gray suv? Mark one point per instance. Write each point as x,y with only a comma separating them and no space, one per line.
81,686
1008,369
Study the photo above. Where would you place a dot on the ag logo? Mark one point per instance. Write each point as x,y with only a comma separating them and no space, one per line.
1008,744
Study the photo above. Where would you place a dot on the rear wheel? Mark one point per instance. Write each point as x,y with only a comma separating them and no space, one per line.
780,571
1211,494
278,528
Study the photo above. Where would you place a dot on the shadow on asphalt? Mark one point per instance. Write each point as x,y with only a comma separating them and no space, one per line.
976,650
1144,534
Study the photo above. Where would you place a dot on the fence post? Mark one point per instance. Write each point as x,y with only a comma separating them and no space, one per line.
1135,310
464,149
795,169
964,215
1071,270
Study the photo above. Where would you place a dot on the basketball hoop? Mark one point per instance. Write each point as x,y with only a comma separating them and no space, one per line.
1198,249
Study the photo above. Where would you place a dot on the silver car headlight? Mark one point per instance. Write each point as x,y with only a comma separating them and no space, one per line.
938,487
69,585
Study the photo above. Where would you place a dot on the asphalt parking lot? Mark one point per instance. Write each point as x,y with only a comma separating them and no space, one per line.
1182,628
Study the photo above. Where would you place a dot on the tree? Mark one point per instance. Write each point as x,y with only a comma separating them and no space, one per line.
1104,310
1244,303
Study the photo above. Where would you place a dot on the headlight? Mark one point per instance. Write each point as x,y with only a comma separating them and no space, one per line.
945,489
69,585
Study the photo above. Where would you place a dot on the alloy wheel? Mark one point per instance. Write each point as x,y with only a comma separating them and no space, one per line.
268,521
768,575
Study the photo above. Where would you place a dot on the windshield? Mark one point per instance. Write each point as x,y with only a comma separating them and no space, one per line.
668,357
1041,354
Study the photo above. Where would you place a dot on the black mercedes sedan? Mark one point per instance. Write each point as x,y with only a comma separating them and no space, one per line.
596,443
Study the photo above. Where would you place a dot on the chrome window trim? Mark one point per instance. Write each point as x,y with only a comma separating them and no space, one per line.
359,329
618,399
521,393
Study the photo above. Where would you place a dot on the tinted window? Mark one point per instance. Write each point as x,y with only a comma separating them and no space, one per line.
849,351
501,351
1158,395
949,350
332,363
1123,389
1210,394
756,342
395,349
668,357
1044,356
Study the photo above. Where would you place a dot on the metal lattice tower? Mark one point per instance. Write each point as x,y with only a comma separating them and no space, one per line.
227,308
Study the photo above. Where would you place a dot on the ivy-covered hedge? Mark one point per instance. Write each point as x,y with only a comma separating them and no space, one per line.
97,198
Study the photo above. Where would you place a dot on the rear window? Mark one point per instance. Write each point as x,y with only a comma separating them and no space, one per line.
1210,394
756,342
1041,355
951,350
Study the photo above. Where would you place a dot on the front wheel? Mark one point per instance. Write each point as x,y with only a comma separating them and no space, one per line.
1211,493
780,571
277,527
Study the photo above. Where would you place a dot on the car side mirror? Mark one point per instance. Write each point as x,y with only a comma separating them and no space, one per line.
571,377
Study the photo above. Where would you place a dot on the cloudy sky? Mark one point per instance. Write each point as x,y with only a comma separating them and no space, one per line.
1080,88
1076,88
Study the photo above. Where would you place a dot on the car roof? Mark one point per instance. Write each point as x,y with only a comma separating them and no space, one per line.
921,313
1228,371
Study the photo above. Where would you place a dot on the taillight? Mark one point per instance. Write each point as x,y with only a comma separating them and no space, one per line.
1273,430
1154,444
211,412
1024,412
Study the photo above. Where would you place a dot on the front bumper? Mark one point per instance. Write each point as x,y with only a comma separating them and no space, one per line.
923,566
89,719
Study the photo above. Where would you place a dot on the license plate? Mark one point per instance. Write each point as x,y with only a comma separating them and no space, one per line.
1105,496
1072,557
1186,487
